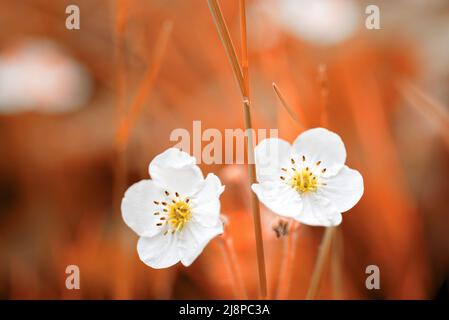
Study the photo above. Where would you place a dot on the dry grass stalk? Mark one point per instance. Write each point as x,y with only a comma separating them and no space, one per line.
324,93
244,42
127,120
121,17
228,251
229,267
287,261
287,107
319,264
225,38
243,82
336,266
145,87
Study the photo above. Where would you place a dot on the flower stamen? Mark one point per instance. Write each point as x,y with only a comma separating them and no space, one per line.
176,213
179,214
303,181
301,177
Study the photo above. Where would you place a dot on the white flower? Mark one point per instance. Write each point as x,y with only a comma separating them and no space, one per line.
308,181
38,75
321,22
176,213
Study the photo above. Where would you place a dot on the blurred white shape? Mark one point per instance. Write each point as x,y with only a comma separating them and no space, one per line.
322,22
38,75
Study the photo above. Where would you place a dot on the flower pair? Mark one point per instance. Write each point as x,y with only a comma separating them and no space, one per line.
178,212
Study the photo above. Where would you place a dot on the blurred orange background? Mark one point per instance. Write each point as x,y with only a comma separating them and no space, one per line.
64,164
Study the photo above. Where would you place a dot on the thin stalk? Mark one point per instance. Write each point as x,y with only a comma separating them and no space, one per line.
334,241
324,93
238,270
234,265
244,42
121,17
227,259
145,86
225,38
321,259
127,117
336,266
255,202
287,262
287,107
120,178
241,80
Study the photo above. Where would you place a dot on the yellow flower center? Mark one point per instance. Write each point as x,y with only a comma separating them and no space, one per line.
303,181
175,213
179,213
301,177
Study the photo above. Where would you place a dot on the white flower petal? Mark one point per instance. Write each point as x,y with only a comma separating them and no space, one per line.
205,204
194,238
138,208
318,211
279,198
344,190
159,251
173,158
270,156
176,171
320,144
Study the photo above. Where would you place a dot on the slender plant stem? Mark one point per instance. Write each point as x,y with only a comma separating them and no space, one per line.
225,38
255,203
126,119
244,89
250,150
287,107
255,207
321,259
121,16
287,262
336,266
244,43
324,93
238,270
145,86
239,284
227,259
